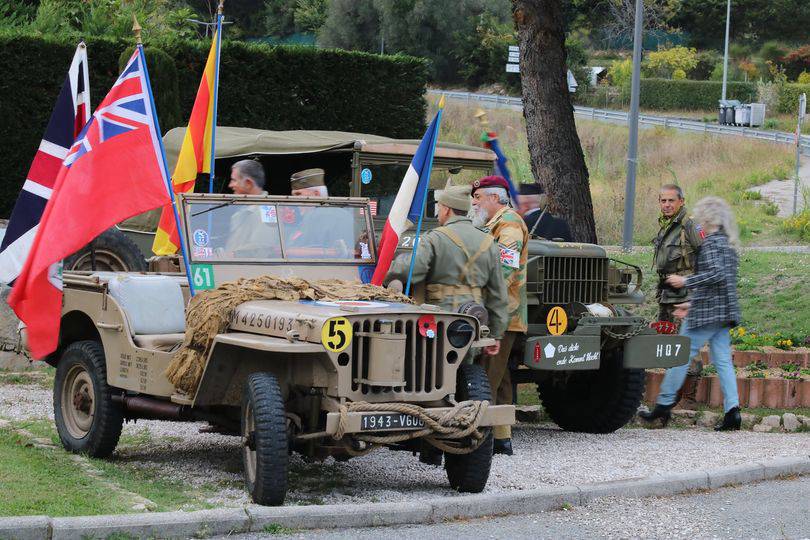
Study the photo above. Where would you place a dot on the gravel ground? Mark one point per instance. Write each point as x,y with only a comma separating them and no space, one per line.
545,456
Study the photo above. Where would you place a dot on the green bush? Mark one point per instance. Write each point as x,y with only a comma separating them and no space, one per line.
706,60
279,88
789,97
667,94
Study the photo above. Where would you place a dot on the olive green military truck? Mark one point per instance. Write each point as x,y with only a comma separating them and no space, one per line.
584,348
321,377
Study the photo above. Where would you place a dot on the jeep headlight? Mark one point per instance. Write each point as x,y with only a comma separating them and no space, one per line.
460,333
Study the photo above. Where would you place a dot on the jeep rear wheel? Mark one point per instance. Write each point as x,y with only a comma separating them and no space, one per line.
87,419
111,251
264,439
469,472
597,401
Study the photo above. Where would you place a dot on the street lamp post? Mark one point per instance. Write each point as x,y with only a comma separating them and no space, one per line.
632,120
725,54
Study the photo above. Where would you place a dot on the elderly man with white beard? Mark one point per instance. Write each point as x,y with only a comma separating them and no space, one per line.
491,212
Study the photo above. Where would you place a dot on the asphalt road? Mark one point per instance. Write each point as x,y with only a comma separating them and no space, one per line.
777,509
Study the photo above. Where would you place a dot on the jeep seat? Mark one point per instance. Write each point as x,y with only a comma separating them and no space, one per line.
154,308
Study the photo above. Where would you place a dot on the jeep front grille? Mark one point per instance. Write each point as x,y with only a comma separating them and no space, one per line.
424,358
574,279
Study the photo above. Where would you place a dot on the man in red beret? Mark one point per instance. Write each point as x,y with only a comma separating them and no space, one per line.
491,211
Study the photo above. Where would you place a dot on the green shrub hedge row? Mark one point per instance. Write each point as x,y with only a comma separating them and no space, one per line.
789,97
261,86
667,94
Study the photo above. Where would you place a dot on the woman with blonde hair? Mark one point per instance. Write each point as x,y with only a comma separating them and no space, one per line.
711,311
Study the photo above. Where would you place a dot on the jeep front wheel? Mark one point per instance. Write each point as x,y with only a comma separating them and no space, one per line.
264,439
469,472
87,419
597,401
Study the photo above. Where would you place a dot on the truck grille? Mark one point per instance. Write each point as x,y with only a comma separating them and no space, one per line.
571,279
424,358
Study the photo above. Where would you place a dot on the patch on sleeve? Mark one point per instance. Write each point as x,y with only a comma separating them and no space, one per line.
509,257
700,231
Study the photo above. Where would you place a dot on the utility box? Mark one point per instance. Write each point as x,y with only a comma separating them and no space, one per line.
757,114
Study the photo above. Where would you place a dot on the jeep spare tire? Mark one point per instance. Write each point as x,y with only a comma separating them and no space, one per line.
114,252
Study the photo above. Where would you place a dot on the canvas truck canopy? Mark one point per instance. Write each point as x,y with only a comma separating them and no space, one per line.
232,142
342,154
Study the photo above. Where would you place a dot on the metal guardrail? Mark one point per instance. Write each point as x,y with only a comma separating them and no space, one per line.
607,115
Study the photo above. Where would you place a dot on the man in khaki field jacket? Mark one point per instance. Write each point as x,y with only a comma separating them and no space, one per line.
457,262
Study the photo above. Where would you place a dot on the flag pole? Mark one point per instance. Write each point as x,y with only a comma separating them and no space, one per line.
136,28
424,197
220,9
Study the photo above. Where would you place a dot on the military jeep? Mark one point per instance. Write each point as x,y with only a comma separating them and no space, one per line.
577,296
322,378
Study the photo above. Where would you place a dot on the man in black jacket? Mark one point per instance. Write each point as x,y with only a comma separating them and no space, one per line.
538,220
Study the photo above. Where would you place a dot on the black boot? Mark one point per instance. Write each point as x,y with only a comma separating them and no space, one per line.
503,446
731,421
660,411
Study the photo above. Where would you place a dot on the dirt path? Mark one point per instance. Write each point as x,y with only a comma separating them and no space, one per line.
781,191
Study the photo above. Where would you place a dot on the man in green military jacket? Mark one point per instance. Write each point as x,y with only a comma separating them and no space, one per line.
458,263
675,252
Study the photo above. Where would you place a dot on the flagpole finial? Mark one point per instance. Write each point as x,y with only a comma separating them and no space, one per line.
136,29
441,102
220,7
481,114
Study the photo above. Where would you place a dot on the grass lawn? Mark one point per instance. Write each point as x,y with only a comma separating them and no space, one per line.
46,481
701,164
37,481
774,295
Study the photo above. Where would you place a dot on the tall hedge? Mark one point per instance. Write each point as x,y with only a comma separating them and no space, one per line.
261,87
667,94
789,97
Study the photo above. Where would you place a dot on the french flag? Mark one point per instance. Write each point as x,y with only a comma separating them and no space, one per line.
410,200
69,116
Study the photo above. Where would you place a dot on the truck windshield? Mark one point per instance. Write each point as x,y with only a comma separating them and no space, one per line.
251,231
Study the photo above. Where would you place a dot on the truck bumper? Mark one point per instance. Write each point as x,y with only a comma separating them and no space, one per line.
583,352
495,415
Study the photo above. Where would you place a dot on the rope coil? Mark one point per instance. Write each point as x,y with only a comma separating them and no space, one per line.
444,430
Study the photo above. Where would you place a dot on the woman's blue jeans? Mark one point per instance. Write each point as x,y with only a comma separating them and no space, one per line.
720,350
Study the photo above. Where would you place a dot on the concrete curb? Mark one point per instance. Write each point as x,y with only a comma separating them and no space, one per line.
254,519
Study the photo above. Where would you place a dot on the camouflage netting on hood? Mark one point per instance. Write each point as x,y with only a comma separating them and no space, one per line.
209,314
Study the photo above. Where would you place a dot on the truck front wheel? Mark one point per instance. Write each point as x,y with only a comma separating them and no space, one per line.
469,472
87,419
264,439
597,401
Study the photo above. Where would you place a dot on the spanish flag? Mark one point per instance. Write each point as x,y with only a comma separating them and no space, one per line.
195,154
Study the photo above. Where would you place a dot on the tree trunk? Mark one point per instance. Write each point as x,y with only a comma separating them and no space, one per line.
554,148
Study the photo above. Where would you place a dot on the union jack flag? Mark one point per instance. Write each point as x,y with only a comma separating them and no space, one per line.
123,110
70,114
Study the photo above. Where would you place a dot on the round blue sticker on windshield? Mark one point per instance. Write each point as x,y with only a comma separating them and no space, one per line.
365,176
200,238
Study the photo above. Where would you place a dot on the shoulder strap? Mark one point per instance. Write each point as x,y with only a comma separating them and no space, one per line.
485,244
453,238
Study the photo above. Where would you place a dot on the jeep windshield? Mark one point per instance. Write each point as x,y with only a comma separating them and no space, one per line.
239,230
